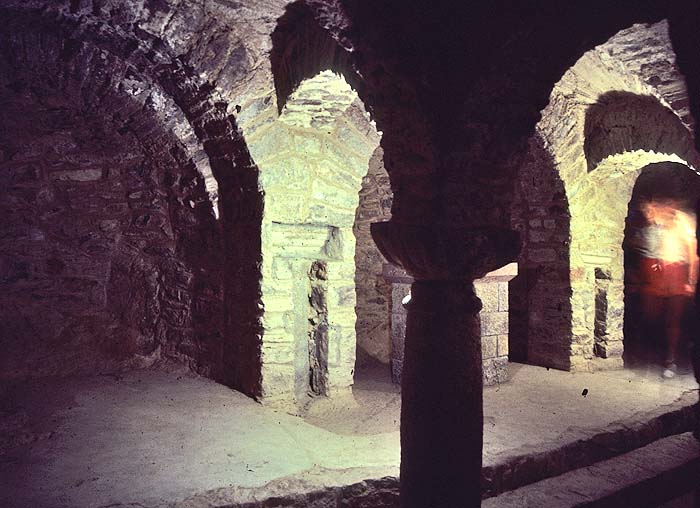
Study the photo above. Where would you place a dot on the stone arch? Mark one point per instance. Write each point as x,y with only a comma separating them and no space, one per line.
643,343
597,267
209,136
312,160
111,251
301,49
127,52
314,36
621,122
619,143
595,141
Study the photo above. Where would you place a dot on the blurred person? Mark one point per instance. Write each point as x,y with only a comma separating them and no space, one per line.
668,270
695,355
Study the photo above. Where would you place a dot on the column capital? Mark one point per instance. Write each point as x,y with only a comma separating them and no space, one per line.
445,252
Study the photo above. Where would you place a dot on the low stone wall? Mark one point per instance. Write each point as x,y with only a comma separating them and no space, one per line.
493,292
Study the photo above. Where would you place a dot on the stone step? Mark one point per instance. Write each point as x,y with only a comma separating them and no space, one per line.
643,478
646,477
621,437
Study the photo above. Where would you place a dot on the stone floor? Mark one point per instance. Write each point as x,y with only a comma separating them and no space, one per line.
154,439
646,477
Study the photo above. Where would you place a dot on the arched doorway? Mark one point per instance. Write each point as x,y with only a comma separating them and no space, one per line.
645,332
593,138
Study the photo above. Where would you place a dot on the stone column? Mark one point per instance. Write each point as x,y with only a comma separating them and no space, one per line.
441,389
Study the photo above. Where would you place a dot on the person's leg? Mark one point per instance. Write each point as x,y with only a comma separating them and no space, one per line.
652,307
696,368
674,314
675,290
695,359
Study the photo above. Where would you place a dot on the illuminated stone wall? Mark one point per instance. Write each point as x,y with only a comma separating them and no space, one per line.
373,291
607,118
312,161
597,269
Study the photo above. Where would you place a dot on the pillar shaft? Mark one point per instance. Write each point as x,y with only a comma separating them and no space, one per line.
441,398
441,384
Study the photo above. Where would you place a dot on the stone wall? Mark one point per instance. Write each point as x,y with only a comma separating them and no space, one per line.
312,160
540,307
109,250
597,226
572,262
373,291
492,290
602,125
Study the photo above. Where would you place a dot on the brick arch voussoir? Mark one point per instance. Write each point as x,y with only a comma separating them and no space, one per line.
152,59
621,122
301,49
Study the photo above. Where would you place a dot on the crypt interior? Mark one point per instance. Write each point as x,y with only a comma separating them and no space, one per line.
342,253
